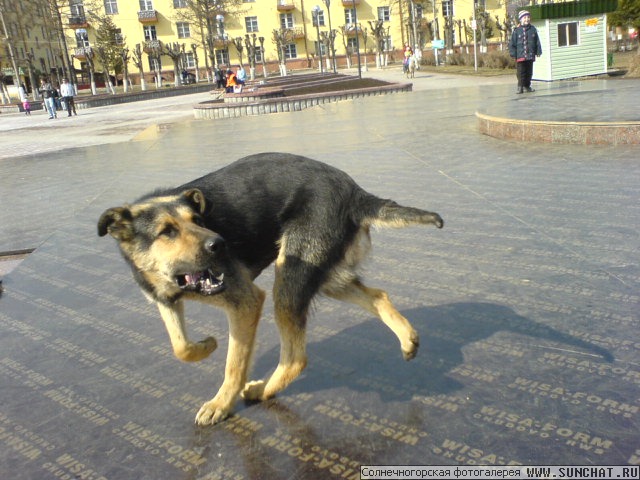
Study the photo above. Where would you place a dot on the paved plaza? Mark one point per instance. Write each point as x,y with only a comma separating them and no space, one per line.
526,302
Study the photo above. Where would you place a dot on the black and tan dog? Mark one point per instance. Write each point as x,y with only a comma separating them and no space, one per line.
209,239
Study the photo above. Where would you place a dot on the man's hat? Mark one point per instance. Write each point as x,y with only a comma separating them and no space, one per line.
523,13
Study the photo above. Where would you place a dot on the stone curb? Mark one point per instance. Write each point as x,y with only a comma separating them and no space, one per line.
581,133
295,103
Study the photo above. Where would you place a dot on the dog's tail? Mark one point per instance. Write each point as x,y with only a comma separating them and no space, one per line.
387,213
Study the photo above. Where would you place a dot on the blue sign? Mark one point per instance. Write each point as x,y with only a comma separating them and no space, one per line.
437,44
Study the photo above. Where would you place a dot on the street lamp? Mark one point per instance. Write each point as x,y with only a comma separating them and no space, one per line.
315,15
332,36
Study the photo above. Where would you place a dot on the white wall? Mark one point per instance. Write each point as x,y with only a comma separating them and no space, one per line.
588,57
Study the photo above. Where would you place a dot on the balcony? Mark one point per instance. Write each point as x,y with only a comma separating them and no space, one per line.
350,29
350,3
297,32
147,16
285,5
77,21
81,52
151,46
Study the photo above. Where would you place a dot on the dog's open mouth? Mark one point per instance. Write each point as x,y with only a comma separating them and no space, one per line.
205,283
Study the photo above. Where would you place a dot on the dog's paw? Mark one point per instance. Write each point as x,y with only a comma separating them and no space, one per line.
211,413
410,347
254,391
194,352
209,345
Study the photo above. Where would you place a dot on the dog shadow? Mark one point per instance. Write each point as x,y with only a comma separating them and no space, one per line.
366,357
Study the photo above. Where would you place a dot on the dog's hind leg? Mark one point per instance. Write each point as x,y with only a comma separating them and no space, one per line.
183,348
243,313
296,282
377,302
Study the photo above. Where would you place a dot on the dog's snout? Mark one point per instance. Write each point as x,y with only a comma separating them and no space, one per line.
214,244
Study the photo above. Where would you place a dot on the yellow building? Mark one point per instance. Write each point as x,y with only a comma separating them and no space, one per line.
210,36
30,44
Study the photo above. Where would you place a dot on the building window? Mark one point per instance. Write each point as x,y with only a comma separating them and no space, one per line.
567,34
286,20
349,16
251,23
384,14
352,44
320,18
447,8
259,55
111,7
155,63
323,48
150,33
119,37
290,51
77,8
183,30
146,5
179,3
222,56
189,60
82,39
419,9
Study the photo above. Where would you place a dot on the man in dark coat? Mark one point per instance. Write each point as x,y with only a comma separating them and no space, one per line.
524,47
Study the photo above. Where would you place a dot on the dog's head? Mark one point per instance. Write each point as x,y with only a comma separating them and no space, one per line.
170,251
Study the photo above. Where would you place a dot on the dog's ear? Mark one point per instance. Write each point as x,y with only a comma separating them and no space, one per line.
196,198
118,222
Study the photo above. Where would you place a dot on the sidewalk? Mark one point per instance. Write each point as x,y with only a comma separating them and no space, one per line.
526,302
23,135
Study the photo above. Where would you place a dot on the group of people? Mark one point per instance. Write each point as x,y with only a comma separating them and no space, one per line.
230,81
55,99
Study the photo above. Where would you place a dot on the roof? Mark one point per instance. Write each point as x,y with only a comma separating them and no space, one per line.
578,8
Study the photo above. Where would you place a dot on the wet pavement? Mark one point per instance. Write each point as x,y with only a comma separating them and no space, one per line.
526,303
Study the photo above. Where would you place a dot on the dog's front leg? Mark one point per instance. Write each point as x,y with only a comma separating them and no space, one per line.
243,323
185,350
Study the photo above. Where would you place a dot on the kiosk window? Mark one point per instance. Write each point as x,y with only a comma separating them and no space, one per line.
567,34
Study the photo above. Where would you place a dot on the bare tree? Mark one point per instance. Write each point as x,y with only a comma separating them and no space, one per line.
237,42
138,62
265,74
344,34
282,38
175,52
250,45
125,56
202,15
89,57
8,41
194,52
378,30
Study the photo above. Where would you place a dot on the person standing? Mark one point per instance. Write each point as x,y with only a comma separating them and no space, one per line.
48,93
67,92
524,47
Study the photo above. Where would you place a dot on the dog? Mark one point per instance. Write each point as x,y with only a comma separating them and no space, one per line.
208,239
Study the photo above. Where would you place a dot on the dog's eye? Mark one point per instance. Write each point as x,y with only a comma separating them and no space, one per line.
169,231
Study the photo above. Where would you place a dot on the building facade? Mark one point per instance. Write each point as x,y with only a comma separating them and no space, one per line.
291,32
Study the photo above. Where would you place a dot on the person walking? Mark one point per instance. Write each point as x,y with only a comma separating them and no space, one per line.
48,93
67,92
524,47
